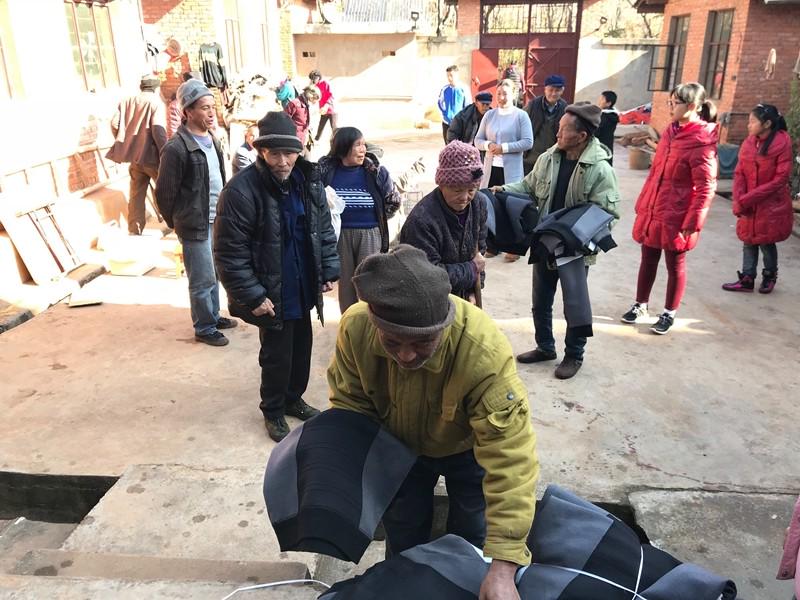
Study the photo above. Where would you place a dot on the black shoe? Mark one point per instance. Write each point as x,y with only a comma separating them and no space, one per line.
663,324
301,410
568,367
636,312
536,355
215,338
226,323
277,428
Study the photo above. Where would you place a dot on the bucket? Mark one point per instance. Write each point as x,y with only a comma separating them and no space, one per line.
639,160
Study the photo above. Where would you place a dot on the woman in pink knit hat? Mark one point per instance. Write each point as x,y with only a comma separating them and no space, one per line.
449,224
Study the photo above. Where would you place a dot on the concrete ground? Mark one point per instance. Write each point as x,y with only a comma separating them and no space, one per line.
705,410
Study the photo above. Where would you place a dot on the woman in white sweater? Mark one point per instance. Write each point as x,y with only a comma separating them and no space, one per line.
505,134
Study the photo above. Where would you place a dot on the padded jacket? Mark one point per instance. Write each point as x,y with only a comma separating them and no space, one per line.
679,189
248,240
761,198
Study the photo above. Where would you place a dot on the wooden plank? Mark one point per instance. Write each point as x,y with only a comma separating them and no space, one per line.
31,247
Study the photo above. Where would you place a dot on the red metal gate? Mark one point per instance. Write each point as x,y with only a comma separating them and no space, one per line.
549,31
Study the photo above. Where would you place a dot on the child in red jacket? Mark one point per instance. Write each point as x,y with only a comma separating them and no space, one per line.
790,562
761,198
673,204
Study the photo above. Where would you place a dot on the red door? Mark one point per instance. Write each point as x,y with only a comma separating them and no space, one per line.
549,54
484,70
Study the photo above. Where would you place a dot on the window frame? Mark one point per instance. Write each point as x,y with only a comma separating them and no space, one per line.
716,39
73,25
671,69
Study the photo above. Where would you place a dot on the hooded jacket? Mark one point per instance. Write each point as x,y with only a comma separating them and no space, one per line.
466,396
761,198
140,130
248,240
679,189
380,187
593,180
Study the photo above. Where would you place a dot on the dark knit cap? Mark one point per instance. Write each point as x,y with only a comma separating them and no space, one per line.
483,97
407,295
588,113
276,131
190,92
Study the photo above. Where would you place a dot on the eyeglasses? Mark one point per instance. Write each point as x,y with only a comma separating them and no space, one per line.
672,104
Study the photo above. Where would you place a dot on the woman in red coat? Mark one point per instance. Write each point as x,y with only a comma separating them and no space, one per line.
675,199
761,198
299,110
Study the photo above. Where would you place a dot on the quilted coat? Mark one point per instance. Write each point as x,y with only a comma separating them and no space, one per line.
679,189
761,198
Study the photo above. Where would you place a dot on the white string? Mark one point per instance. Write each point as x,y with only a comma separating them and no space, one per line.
636,594
639,576
262,586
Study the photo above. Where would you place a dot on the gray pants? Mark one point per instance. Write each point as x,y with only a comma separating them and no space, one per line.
354,246
140,180
750,259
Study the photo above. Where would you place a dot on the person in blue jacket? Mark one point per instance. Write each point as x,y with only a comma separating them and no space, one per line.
452,99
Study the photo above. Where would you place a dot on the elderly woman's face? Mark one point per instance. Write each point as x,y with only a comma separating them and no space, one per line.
458,198
357,153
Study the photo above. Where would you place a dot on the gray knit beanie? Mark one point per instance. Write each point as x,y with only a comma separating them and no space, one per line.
407,295
190,92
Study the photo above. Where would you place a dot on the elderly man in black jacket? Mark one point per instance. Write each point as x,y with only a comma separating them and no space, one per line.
465,124
545,112
275,250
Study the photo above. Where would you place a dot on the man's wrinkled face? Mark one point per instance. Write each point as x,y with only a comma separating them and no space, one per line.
410,352
280,162
568,137
553,93
202,114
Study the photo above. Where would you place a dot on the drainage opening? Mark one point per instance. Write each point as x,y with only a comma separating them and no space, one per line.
51,498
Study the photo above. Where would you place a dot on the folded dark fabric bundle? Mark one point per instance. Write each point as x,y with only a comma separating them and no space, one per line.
581,552
329,482
448,569
581,229
511,220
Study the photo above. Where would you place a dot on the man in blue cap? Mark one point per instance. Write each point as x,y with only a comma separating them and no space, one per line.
545,112
464,126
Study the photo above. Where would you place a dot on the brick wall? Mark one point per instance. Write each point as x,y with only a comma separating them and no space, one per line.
756,29
191,22
469,17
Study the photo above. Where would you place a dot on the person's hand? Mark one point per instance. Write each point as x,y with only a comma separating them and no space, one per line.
685,233
496,188
265,308
479,261
495,149
327,286
499,582
472,299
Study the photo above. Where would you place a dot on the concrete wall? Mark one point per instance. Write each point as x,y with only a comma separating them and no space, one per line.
618,66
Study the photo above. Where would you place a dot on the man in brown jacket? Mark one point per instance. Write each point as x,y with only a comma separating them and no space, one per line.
139,128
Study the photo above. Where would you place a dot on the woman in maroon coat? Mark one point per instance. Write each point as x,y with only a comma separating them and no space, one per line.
299,110
761,198
675,199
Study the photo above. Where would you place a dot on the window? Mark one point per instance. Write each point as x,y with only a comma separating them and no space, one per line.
10,77
666,62
715,52
233,35
554,18
530,18
92,42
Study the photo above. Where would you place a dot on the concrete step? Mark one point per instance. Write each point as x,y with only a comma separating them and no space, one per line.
739,536
65,588
20,536
177,511
125,567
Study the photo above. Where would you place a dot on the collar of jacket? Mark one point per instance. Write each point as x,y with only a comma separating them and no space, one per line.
328,164
592,154
435,363
191,143
448,212
308,170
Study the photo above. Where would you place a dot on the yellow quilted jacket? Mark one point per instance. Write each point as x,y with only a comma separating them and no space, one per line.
468,395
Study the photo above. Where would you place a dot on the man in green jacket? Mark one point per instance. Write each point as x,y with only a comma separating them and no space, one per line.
438,373
575,170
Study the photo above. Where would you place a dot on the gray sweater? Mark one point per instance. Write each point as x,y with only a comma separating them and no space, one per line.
511,128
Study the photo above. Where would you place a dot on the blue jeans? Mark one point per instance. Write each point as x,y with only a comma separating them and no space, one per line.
545,283
198,256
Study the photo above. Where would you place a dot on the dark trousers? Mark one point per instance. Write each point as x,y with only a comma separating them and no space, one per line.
676,276
285,359
140,180
545,283
750,258
497,176
409,518
323,119
445,128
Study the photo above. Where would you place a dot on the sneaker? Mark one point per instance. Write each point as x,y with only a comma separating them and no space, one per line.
636,312
301,410
768,281
568,367
277,428
536,355
661,327
215,338
225,323
744,284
